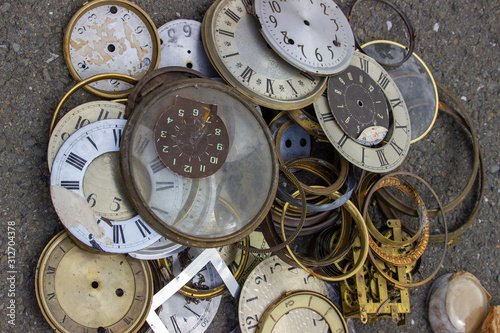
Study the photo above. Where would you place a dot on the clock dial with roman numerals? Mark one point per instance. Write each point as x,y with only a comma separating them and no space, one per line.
241,56
79,291
388,154
89,195
269,281
78,117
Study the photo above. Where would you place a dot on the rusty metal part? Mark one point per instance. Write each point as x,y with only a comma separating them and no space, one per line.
413,255
445,246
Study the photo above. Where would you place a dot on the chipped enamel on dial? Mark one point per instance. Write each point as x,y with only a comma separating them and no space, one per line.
181,45
110,37
78,117
242,57
313,36
269,281
358,105
390,153
89,195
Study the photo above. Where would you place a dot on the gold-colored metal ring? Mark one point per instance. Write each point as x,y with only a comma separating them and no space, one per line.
421,245
121,77
397,283
363,234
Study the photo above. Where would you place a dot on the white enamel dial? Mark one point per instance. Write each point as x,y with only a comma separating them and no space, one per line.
313,35
77,193
78,117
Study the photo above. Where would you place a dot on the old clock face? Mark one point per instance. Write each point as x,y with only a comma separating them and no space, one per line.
88,192
241,56
78,117
79,291
249,173
314,36
191,139
181,45
358,104
109,36
269,281
390,153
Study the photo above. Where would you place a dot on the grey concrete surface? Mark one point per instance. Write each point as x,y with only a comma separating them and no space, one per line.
459,41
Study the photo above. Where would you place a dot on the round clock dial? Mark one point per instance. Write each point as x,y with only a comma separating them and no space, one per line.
269,281
110,37
313,36
389,154
190,139
79,291
243,59
248,174
358,104
78,117
88,193
181,45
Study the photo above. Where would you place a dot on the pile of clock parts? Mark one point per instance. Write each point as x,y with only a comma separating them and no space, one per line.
197,174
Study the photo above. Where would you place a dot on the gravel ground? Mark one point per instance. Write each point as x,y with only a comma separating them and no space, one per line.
459,41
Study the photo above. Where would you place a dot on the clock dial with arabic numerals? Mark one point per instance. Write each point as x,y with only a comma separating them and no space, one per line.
88,193
110,36
242,57
312,35
269,281
387,155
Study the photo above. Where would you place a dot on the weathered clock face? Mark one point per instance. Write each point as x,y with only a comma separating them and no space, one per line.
191,139
88,192
242,57
387,155
79,291
358,104
110,37
270,280
78,117
313,36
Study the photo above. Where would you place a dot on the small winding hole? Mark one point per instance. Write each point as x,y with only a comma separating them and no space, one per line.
119,292
303,142
111,48
288,143
306,22
113,10
95,284
189,65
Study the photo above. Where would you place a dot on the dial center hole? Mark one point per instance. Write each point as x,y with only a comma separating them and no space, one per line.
288,143
95,284
306,22
111,48
360,103
119,292
303,142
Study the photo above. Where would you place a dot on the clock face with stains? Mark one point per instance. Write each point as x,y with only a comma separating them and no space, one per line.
388,154
89,195
110,37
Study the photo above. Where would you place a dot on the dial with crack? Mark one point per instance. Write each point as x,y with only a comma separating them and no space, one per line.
88,192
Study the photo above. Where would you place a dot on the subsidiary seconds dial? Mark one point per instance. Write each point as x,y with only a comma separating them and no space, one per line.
311,35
